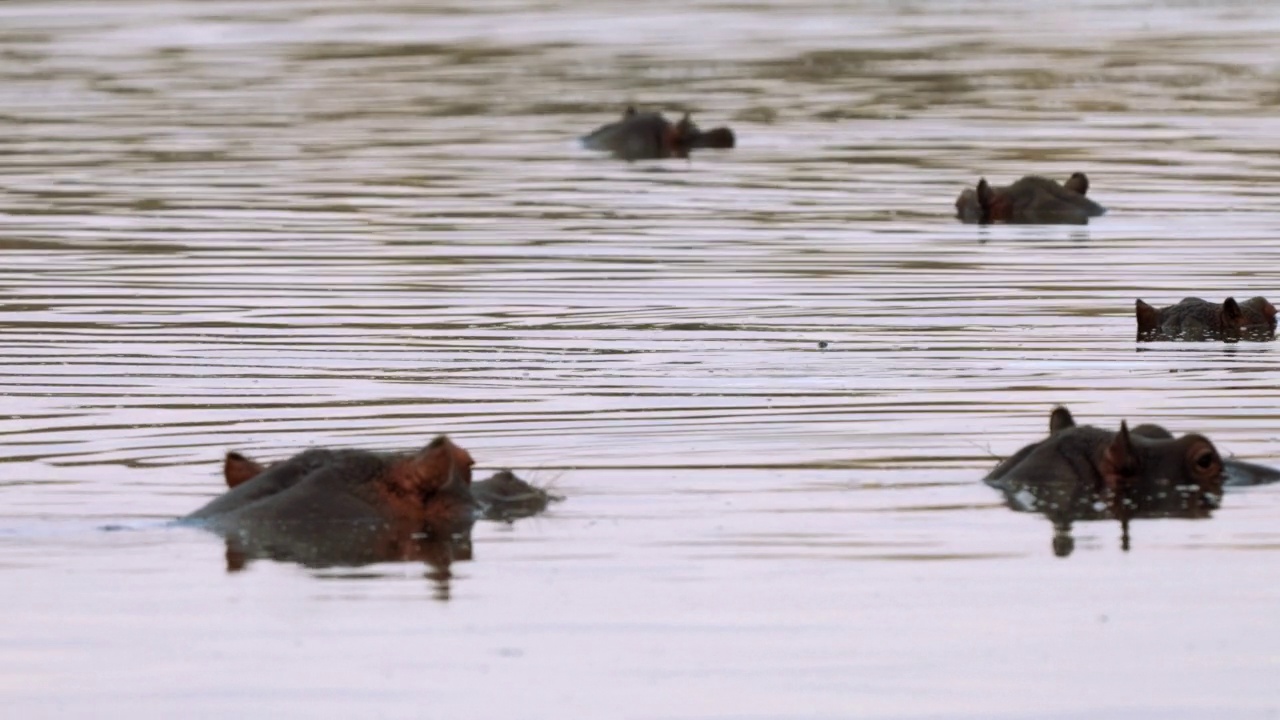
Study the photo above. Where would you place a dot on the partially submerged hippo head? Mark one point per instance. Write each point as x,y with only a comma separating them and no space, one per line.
1191,319
649,135
1087,473
1140,468
502,496
324,508
1033,200
413,489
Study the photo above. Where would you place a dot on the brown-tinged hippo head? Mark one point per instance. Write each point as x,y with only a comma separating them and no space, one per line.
649,135
325,508
1031,200
1080,472
502,496
1194,319
324,485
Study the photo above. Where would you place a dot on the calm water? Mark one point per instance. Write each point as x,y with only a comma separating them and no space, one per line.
267,226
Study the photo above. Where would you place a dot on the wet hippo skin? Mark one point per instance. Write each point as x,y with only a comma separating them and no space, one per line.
1088,473
1033,200
650,136
502,496
322,485
348,507
1195,319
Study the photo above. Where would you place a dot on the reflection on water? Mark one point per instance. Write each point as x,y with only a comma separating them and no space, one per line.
303,223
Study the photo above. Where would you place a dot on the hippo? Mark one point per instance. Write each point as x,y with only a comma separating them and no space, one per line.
1085,473
650,136
1033,200
1196,319
502,496
349,507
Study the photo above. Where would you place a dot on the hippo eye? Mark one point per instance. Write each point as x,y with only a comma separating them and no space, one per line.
1205,462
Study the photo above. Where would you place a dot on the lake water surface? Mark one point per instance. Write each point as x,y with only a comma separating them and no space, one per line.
269,226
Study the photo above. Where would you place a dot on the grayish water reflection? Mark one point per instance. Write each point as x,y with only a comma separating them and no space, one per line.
267,226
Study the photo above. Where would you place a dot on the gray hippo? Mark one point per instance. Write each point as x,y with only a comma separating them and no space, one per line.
650,136
1080,472
1195,319
349,507
1033,200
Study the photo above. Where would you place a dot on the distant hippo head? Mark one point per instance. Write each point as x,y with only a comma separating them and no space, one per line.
1031,200
650,135
1194,319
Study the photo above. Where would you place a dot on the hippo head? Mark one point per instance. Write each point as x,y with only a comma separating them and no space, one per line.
324,508
1148,469
412,488
1195,319
1086,473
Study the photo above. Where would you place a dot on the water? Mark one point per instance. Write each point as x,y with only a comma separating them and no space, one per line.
267,226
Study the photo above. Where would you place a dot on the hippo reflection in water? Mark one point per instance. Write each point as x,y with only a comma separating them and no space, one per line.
1033,200
326,508
650,136
1196,319
1081,472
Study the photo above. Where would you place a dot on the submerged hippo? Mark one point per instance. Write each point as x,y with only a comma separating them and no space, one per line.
1082,472
1033,200
347,507
1196,319
650,136
503,496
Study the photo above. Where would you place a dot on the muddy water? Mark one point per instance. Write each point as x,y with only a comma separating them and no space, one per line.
267,226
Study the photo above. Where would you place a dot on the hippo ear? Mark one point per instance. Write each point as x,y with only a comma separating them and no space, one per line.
1060,419
1078,183
1148,317
631,110
1232,315
1120,461
439,465
237,468
986,196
